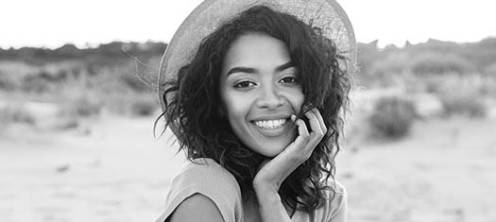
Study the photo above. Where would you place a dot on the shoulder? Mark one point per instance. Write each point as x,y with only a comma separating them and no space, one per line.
205,175
203,181
195,208
204,170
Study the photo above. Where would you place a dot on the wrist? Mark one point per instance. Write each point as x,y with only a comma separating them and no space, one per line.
270,205
266,194
265,186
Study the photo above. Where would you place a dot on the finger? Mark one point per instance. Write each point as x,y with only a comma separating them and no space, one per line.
320,119
303,134
314,123
318,132
302,127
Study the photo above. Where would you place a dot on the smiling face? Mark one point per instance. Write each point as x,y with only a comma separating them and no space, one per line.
260,91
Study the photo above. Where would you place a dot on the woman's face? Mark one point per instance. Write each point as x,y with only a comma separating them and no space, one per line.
260,92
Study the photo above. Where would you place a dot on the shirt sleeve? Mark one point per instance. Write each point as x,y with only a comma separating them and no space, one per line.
210,180
339,205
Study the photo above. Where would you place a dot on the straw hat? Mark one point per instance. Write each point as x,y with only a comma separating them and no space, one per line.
211,14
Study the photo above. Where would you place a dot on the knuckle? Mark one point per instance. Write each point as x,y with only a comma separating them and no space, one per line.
322,134
324,130
305,138
305,135
319,133
301,123
306,156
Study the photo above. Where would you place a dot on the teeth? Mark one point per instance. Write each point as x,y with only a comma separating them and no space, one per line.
270,124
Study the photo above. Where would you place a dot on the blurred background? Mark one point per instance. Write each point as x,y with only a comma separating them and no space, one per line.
78,104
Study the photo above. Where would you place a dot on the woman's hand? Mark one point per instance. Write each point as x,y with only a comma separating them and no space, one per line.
273,172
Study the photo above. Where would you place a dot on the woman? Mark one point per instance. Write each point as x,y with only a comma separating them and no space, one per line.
256,108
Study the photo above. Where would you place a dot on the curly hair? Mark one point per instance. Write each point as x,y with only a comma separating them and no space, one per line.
194,104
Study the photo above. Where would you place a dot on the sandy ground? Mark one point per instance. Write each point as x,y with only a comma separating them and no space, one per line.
113,169
445,171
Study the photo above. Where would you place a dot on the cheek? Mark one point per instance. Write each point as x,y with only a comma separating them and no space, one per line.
236,106
296,98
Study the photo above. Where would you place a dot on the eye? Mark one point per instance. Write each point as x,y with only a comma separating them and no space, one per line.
289,80
244,84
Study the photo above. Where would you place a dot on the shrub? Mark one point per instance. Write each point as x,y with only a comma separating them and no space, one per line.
15,113
437,63
394,63
36,84
83,106
134,82
143,107
463,104
490,70
139,76
7,83
392,117
464,95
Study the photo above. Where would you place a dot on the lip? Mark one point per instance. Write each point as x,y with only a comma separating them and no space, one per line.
271,117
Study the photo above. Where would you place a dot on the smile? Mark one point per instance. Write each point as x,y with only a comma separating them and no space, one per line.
270,124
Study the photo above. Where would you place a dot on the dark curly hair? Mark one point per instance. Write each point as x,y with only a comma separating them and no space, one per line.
194,108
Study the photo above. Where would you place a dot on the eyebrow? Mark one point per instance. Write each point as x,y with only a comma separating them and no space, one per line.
252,70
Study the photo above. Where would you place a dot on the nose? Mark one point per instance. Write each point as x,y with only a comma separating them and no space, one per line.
269,97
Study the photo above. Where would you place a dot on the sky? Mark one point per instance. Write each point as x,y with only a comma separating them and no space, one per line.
52,23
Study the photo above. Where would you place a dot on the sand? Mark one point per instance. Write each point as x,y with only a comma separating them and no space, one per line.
113,169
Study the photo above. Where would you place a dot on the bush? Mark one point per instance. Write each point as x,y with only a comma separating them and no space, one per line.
394,63
7,83
36,84
134,82
392,117
15,113
464,95
83,106
436,63
463,104
490,70
143,107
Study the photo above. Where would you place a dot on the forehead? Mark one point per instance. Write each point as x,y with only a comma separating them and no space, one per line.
256,50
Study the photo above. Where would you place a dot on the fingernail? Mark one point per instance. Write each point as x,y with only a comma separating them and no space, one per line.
293,117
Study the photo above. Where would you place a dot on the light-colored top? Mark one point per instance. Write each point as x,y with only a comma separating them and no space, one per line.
206,177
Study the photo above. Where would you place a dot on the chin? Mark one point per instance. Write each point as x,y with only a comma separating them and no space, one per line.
272,150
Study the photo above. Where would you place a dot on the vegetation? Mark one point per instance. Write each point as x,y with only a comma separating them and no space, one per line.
392,117
84,82
431,58
143,107
15,113
119,78
461,76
